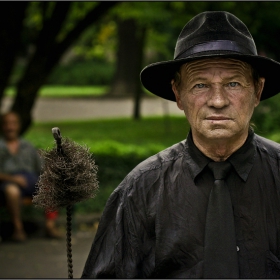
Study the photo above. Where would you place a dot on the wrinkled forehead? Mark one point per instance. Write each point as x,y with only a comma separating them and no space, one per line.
205,66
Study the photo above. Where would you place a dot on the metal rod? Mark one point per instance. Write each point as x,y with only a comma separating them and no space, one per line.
58,138
69,245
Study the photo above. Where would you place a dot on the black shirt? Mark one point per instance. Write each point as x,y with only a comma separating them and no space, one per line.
153,223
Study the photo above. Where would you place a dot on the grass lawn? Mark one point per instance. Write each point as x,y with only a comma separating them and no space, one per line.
61,91
118,136
66,91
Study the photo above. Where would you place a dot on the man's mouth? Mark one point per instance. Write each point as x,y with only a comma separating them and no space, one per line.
218,118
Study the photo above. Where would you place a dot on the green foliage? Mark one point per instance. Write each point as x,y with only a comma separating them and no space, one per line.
266,118
34,19
39,12
145,13
98,42
78,10
91,72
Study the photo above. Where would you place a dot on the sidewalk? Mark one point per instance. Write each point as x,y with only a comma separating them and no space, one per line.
43,258
54,109
40,257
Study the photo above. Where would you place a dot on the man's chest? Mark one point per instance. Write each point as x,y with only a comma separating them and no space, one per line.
180,223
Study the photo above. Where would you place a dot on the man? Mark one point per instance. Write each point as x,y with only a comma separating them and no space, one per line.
207,207
20,166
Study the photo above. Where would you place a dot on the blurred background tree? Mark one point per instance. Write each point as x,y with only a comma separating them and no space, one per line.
108,43
43,31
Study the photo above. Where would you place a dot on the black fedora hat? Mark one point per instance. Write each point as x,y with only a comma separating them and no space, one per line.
211,34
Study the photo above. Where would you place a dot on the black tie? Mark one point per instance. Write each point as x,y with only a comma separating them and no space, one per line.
220,251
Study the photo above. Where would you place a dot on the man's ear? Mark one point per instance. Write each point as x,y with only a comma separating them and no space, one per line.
177,95
259,91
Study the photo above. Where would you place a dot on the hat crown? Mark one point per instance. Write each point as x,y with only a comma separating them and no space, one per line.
204,31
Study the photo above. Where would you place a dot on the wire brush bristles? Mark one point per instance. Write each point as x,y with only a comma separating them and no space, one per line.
67,178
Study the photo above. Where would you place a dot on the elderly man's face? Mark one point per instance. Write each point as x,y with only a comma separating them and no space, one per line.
218,97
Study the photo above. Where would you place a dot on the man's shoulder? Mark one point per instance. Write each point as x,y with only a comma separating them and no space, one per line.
165,157
268,146
3,147
26,144
144,175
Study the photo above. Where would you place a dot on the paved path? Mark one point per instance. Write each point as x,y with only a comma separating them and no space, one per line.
50,109
44,258
40,257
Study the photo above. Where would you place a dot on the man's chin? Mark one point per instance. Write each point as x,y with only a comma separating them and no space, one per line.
218,133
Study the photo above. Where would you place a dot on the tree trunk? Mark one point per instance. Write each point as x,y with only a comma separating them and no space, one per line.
40,65
11,23
126,81
47,55
139,92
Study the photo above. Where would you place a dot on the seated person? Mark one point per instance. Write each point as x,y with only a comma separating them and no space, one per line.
20,166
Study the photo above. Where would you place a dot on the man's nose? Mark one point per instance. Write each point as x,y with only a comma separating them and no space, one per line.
218,97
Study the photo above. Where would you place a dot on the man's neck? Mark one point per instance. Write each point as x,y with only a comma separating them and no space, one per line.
12,145
11,140
219,149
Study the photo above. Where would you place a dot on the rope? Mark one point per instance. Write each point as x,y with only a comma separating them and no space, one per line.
68,238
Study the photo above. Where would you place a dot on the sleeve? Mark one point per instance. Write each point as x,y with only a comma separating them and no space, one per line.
1,163
2,156
37,161
122,247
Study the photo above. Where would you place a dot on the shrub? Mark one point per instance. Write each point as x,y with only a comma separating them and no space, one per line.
266,117
82,73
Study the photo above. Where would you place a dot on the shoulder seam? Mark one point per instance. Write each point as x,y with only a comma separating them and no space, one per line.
261,142
158,166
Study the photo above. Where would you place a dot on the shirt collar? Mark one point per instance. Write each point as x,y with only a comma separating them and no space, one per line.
196,160
242,160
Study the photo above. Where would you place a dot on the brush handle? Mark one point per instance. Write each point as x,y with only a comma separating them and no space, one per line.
57,137
69,245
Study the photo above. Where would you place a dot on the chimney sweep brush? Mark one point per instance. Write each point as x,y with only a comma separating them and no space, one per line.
69,175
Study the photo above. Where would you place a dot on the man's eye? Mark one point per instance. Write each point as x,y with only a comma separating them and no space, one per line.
233,84
199,85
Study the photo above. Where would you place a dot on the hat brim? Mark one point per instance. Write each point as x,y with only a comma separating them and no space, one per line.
157,77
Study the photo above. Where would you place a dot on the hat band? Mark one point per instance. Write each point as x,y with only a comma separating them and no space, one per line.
218,45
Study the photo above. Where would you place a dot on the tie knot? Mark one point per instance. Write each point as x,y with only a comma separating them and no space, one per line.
219,169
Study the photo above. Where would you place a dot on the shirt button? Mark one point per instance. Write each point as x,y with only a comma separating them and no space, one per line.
237,248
